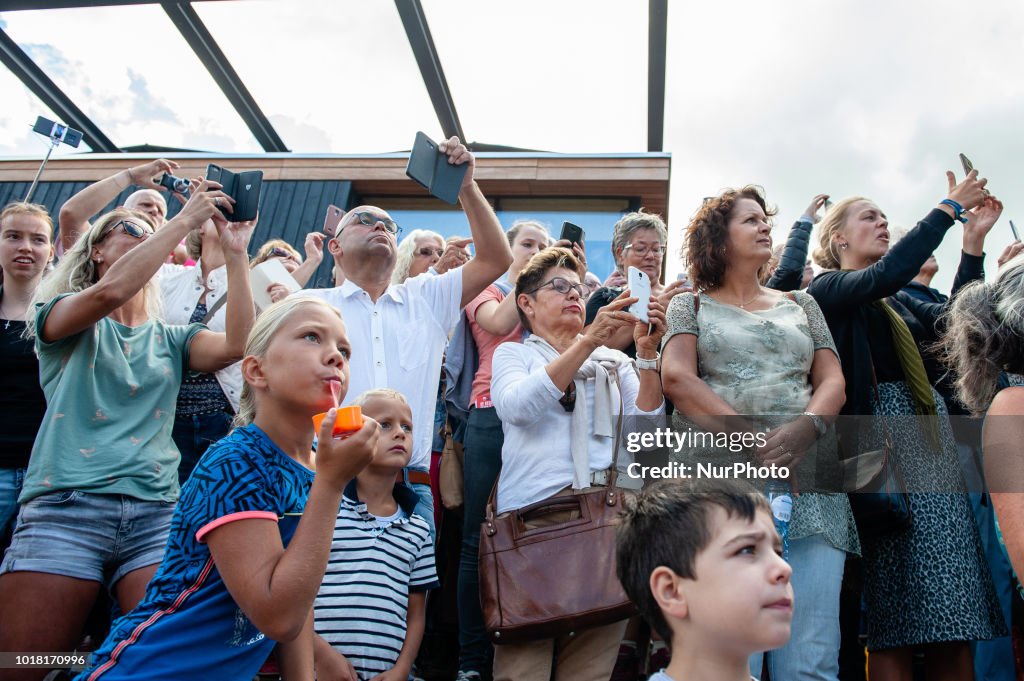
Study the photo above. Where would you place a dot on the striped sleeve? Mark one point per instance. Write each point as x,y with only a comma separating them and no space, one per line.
424,571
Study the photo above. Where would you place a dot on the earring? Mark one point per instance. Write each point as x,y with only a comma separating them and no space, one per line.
844,245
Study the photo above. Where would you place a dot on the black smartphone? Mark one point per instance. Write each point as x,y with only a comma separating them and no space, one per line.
429,166
573,233
966,163
244,188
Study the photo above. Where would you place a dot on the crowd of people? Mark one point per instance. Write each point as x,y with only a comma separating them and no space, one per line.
158,454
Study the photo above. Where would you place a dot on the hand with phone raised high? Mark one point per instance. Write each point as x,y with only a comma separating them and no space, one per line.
458,153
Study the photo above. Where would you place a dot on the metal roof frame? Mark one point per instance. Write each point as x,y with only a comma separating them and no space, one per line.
417,30
21,65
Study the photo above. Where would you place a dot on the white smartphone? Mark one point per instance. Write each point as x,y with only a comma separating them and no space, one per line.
640,288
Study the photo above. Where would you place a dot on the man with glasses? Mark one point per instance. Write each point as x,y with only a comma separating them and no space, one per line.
399,331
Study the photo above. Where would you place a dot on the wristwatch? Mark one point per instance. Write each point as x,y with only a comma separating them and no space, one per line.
649,364
819,423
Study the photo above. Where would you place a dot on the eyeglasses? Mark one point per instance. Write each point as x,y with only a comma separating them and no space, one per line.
563,286
370,220
277,252
130,228
643,249
429,252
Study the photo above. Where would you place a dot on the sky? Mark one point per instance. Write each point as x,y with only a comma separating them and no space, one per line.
847,97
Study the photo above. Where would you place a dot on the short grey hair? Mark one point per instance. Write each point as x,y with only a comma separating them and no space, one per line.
629,223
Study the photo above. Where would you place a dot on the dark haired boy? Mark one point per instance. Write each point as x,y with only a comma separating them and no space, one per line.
701,560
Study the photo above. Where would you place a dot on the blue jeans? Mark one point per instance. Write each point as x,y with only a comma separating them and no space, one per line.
11,480
813,648
484,439
193,434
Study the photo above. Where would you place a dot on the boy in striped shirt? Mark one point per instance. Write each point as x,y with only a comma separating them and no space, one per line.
370,612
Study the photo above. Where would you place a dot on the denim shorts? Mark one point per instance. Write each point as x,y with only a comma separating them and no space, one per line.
98,537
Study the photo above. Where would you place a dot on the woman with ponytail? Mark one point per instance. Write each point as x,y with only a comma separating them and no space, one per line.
251,535
985,338
926,586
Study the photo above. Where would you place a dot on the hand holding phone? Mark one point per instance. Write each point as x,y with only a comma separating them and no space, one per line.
429,166
574,234
639,288
244,188
966,163
332,220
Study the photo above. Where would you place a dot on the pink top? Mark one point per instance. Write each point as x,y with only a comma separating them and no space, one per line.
485,345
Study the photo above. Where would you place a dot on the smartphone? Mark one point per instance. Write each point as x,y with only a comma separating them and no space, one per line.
684,276
429,166
574,234
966,162
640,288
1013,228
828,204
244,188
332,220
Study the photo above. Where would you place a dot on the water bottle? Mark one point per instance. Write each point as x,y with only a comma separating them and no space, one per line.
780,498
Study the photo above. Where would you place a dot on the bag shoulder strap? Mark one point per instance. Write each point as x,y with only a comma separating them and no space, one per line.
213,310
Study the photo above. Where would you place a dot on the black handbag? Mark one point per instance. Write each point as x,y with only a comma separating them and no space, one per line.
876,488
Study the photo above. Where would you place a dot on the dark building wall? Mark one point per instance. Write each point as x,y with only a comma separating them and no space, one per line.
289,209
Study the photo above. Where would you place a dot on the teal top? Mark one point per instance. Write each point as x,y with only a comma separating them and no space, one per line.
110,394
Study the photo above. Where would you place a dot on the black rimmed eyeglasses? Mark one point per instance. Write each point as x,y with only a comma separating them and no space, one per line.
370,220
563,286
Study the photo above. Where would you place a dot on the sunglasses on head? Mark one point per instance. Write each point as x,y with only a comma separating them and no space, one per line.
277,252
130,228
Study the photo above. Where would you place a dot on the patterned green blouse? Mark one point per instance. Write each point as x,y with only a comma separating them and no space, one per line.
759,363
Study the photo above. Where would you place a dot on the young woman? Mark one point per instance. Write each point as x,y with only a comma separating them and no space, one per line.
102,479
250,538
26,248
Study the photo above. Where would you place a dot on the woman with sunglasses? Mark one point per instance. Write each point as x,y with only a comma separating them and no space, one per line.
102,481
417,253
558,395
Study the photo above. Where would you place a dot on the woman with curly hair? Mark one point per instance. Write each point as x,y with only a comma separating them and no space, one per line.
927,585
742,357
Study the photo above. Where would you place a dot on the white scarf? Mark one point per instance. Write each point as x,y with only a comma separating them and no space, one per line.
602,366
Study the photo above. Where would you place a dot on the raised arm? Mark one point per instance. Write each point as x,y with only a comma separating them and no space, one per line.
274,586
314,247
838,290
498,319
493,255
790,272
213,351
132,271
76,211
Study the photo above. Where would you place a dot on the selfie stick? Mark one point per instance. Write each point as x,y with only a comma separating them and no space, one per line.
57,133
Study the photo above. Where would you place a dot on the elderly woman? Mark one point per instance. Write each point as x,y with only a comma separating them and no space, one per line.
639,240
101,483
927,585
425,251
739,355
546,391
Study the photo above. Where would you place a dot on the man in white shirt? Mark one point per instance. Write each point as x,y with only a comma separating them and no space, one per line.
399,332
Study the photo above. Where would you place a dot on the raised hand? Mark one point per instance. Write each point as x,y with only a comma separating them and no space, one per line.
340,459
148,174
648,336
314,246
816,204
1010,252
969,193
206,200
610,319
455,254
234,236
458,154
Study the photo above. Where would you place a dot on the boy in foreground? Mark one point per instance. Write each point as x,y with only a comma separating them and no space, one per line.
701,560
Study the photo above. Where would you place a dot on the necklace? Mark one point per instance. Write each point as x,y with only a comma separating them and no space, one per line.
743,304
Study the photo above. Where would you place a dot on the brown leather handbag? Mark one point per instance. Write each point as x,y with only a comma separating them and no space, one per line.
548,569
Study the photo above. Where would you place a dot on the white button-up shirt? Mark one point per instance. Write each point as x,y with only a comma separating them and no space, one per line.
181,288
399,341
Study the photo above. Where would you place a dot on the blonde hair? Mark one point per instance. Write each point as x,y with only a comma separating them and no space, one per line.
407,253
985,335
382,393
826,255
518,226
266,326
264,254
194,243
77,271
32,210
